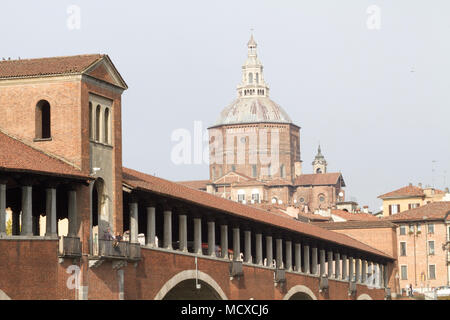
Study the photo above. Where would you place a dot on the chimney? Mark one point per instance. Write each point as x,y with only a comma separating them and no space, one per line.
420,185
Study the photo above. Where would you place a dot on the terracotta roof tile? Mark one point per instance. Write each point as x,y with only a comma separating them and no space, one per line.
145,182
354,216
17,156
408,191
317,179
279,182
314,217
47,66
433,211
379,223
195,184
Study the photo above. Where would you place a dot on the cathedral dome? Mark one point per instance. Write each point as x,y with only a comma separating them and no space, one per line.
253,104
253,110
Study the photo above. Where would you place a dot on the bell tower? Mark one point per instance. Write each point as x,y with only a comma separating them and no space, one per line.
319,163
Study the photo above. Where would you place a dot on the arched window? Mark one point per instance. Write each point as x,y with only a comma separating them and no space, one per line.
257,77
282,170
90,121
319,170
97,123
42,120
250,78
107,140
254,170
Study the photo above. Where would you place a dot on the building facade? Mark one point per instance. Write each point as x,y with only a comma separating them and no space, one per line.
423,236
409,197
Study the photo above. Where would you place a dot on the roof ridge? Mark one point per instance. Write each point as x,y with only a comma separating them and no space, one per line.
48,154
56,57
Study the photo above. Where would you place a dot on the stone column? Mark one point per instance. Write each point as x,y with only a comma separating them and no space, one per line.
288,265
151,226
198,235
167,243
358,270
314,269
330,264
224,240
50,212
385,276
279,253
236,245
379,278
369,273
248,246
73,223
211,238
133,222
2,209
258,247
322,262
344,267
269,251
306,259
363,271
350,269
298,255
182,232
27,209
337,265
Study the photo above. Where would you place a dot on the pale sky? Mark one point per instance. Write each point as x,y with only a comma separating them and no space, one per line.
377,100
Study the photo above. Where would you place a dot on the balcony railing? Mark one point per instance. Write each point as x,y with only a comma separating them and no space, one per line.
69,246
116,249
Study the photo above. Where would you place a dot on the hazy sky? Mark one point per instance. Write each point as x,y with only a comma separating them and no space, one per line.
377,100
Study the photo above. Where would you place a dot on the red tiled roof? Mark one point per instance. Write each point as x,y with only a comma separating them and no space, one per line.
355,224
139,180
47,66
279,182
17,156
432,211
317,179
195,184
408,191
354,216
314,217
251,182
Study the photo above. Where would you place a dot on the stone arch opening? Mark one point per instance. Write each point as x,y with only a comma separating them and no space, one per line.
97,123
4,296
186,290
98,210
300,292
42,120
364,296
182,286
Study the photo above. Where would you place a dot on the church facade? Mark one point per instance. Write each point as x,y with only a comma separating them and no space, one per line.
255,152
